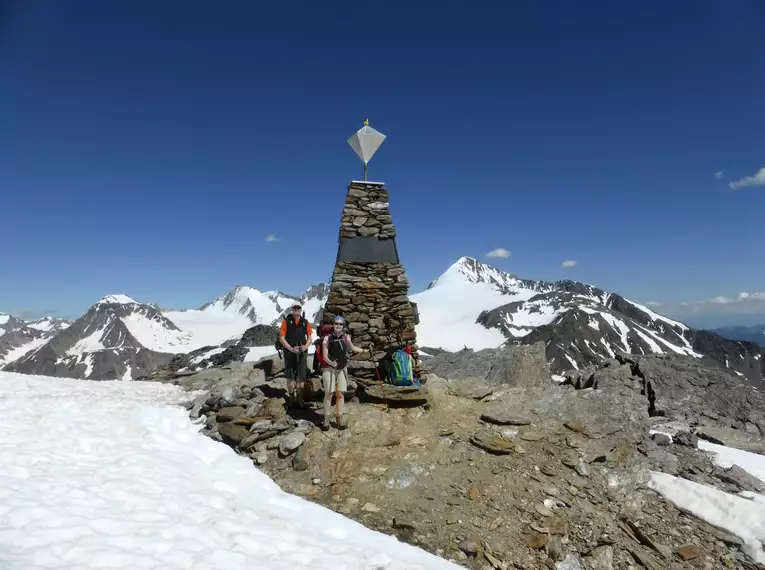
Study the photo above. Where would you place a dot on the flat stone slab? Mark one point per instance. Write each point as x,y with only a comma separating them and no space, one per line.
466,389
409,395
504,419
493,444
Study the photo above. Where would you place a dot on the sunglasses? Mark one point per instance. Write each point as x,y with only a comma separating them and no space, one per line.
296,308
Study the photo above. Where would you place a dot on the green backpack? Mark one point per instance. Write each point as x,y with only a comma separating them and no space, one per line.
401,373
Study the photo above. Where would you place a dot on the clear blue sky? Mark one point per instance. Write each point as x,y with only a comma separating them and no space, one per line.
150,147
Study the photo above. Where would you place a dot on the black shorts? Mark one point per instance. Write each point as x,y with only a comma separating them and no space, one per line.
295,365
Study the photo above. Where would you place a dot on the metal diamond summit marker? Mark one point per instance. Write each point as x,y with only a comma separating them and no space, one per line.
365,143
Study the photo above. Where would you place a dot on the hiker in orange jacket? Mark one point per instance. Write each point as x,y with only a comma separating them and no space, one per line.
335,347
295,335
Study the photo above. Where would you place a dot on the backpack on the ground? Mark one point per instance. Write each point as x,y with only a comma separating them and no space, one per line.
400,371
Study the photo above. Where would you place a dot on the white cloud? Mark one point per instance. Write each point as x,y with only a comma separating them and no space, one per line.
271,237
652,304
743,298
750,181
719,175
499,252
568,263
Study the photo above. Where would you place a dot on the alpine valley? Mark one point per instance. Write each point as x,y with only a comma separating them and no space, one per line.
470,306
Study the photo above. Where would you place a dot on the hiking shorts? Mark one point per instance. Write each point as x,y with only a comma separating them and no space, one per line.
295,365
332,376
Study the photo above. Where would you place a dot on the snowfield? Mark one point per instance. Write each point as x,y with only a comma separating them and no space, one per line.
742,515
115,475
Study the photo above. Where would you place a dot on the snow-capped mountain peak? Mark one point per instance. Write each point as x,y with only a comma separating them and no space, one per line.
470,270
258,307
47,324
119,299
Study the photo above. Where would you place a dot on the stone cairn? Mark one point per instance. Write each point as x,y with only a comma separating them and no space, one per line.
369,286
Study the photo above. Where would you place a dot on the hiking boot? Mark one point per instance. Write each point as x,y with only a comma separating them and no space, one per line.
343,423
325,425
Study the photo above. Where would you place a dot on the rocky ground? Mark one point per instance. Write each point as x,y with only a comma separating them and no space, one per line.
502,467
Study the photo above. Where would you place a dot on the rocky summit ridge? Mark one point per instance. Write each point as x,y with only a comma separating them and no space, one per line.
505,465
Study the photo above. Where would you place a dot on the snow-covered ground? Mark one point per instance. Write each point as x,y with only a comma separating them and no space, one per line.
742,515
448,312
207,328
115,475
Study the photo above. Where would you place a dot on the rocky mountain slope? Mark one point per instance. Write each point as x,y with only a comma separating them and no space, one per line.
477,306
19,337
471,305
503,469
119,337
755,334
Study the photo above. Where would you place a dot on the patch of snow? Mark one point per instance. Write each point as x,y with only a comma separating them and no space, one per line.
128,375
608,347
669,435
88,360
725,457
532,314
4,318
90,343
752,496
255,353
656,316
154,335
739,373
618,325
737,515
594,324
655,348
558,378
571,360
125,480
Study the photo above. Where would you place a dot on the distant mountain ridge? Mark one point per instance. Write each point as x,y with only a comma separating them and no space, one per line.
471,305
755,334
477,306
18,336
119,337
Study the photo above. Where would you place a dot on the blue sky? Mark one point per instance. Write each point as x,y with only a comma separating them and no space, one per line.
150,147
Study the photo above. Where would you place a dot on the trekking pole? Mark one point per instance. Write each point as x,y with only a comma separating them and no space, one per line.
385,399
377,373
337,401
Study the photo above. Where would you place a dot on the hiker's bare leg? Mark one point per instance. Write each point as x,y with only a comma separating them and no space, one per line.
290,359
327,379
300,375
342,386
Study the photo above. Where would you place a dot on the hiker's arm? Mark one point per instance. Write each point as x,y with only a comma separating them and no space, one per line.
352,346
282,337
325,351
308,339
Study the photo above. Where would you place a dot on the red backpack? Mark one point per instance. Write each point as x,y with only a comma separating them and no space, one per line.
318,358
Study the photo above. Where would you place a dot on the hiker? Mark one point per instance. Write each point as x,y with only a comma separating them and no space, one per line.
295,336
335,348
